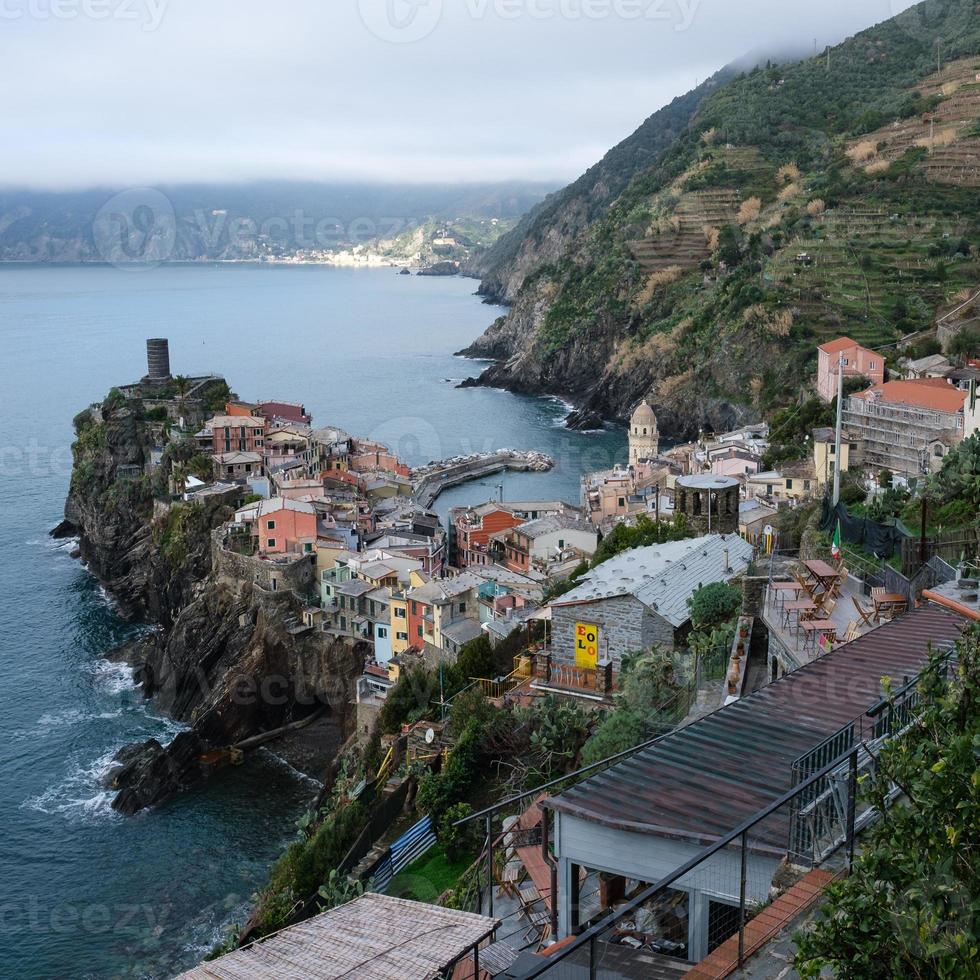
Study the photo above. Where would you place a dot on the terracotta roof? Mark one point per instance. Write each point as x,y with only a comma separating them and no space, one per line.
703,780
841,343
935,394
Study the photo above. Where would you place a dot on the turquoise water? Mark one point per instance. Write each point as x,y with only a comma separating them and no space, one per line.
83,892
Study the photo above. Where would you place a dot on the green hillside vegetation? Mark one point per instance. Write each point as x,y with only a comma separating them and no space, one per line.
801,203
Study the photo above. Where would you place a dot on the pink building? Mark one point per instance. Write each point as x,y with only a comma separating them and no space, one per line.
236,434
858,362
285,525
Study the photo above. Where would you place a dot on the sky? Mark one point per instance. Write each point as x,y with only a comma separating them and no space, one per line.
122,92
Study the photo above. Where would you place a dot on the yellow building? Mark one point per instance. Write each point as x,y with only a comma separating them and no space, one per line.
398,612
824,454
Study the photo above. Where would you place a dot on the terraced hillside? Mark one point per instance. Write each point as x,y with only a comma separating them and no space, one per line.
800,202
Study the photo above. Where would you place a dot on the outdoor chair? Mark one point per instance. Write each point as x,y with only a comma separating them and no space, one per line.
838,585
865,614
852,632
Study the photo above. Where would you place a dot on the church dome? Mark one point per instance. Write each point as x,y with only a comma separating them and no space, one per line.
644,415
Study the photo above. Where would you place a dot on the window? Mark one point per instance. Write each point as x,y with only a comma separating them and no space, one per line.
806,484
248,467
270,525
415,608
401,636
833,448
938,452
382,633
400,613
622,501
419,628
561,542
789,484
307,548
462,607
270,543
343,622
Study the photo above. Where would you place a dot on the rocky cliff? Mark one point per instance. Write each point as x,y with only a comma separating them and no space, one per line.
701,261
228,657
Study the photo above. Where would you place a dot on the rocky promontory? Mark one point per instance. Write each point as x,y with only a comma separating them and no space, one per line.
229,655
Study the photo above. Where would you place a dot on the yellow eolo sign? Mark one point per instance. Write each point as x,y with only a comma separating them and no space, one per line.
586,644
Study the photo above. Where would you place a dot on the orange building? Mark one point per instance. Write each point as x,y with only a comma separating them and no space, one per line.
473,528
285,526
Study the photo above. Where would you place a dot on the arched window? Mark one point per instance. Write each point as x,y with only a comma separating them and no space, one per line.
938,451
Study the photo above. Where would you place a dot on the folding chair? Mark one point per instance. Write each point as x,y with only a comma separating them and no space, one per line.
865,614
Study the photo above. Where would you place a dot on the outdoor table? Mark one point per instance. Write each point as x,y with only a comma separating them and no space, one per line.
811,627
887,601
782,589
822,572
802,606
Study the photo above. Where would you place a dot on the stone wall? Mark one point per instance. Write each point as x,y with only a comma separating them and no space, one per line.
295,576
625,626
693,503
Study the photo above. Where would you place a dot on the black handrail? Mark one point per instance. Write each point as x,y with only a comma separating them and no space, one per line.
589,936
585,770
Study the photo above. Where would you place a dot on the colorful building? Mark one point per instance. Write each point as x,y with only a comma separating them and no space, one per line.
858,362
472,529
283,525
241,433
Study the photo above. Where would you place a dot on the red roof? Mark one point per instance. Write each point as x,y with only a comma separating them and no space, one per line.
284,410
935,394
841,343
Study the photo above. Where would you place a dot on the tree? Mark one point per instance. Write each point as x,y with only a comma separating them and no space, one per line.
646,702
909,906
715,604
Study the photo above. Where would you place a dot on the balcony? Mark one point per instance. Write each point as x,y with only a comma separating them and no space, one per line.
788,624
593,683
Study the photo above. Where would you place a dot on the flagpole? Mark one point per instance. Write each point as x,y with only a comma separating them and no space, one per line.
840,419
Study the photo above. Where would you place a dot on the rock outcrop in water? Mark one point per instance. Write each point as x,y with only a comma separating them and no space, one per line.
228,657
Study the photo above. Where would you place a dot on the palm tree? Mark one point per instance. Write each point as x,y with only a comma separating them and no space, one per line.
182,385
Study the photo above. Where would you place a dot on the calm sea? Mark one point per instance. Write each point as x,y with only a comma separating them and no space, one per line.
83,892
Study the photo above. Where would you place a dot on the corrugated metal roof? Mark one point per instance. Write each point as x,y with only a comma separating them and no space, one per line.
665,576
705,779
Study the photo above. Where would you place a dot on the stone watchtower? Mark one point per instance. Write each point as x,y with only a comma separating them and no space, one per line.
710,503
158,359
644,437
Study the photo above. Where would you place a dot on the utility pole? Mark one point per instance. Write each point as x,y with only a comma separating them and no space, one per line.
840,420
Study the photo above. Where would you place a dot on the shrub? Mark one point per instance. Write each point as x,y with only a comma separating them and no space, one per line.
714,604
908,907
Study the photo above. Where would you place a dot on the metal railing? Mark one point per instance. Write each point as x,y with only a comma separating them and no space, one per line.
735,872
813,824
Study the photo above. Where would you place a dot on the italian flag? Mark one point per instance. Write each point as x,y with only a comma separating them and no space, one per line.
835,544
